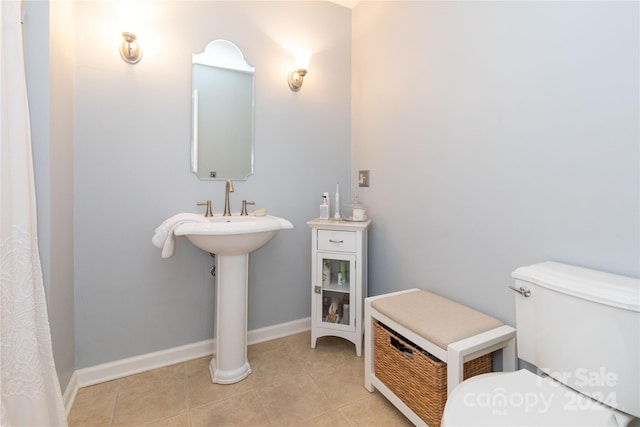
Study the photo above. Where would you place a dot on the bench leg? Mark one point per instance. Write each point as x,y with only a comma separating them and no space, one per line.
455,368
509,359
368,347
501,338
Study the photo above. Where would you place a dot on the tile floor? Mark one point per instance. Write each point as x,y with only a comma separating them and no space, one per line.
291,385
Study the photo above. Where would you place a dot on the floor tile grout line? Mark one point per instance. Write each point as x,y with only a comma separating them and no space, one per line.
333,407
187,395
304,374
256,388
339,406
262,406
115,406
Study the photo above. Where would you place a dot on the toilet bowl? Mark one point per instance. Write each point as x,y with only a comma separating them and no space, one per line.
580,329
522,398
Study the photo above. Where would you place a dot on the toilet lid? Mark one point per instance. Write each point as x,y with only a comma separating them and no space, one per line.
521,398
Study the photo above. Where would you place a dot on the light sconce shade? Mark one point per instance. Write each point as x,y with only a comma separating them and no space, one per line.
296,76
130,49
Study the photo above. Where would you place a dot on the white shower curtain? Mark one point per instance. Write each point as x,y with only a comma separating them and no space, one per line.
30,391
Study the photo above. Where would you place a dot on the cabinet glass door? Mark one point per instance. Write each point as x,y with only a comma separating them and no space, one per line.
334,288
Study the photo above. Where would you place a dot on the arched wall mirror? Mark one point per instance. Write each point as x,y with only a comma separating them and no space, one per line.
222,113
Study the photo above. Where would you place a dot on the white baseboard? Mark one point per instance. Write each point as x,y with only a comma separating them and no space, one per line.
70,393
158,359
273,332
144,362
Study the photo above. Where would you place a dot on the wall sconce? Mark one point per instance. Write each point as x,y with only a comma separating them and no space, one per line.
297,75
130,49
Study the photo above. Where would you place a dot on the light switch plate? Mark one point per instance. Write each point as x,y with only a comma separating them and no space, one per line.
363,178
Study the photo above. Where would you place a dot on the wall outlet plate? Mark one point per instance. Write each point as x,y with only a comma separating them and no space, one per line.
363,178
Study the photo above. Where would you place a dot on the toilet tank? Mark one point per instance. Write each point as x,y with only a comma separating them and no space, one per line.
582,327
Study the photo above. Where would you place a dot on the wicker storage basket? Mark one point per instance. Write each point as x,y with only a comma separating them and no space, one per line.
415,376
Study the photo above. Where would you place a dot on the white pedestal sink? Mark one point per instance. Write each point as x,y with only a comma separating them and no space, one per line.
231,238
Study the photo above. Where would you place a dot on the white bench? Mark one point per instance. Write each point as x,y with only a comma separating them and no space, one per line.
448,330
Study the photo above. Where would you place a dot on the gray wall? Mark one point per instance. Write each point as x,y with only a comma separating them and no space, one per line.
48,35
132,166
498,134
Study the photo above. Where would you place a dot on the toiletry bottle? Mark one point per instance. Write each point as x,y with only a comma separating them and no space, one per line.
342,275
345,314
324,208
337,214
326,274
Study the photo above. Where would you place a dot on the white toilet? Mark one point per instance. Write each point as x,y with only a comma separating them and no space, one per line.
581,329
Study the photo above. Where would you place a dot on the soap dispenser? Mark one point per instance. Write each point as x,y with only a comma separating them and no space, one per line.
324,207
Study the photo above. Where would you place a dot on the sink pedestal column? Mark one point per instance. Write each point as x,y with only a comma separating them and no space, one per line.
229,364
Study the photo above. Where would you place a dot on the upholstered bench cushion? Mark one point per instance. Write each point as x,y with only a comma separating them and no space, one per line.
437,319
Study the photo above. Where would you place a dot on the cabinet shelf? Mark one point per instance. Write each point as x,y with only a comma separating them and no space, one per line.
335,287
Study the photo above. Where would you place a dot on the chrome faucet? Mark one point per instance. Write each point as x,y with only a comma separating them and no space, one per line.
228,189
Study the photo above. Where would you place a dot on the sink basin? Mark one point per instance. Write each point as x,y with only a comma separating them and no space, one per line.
232,235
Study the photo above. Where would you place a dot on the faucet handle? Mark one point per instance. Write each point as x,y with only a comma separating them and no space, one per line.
208,205
244,207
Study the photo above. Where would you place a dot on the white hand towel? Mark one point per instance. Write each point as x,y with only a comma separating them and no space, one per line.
163,236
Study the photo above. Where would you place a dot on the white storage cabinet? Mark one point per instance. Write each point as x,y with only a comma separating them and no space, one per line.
338,279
